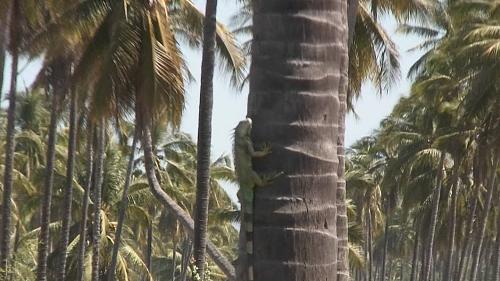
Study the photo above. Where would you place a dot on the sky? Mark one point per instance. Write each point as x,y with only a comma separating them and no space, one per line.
230,103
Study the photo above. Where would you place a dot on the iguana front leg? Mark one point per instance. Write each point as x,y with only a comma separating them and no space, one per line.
266,150
264,180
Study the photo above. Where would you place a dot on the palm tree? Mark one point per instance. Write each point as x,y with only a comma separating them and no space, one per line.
10,144
484,219
170,204
204,137
96,230
68,195
85,204
58,79
123,207
146,54
293,65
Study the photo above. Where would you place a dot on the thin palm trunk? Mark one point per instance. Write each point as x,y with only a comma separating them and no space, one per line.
68,194
182,216
485,262
44,239
484,221
17,237
174,252
422,259
204,137
149,246
85,204
414,264
401,271
122,210
467,245
453,221
464,261
389,272
386,240
96,231
434,216
299,61
370,247
9,144
186,256
496,269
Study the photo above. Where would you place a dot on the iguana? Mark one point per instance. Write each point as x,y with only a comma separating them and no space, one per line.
248,180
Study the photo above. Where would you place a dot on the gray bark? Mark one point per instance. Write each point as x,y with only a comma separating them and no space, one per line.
298,72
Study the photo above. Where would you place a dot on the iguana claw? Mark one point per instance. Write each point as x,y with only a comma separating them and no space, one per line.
266,148
268,179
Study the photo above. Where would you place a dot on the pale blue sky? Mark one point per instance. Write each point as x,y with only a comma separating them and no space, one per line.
230,104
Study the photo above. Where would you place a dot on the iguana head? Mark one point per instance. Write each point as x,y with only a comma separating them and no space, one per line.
244,128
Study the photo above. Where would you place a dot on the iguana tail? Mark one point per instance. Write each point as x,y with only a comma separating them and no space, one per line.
248,221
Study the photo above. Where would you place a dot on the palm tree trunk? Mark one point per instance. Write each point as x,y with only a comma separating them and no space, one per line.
370,247
10,144
68,194
122,210
342,219
17,237
496,269
484,221
414,264
85,204
434,216
401,271
386,240
44,239
422,258
352,15
149,246
96,231
298,71
388,271
186,256
204,137
463,262
485,262
174,251
453,221
172,207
